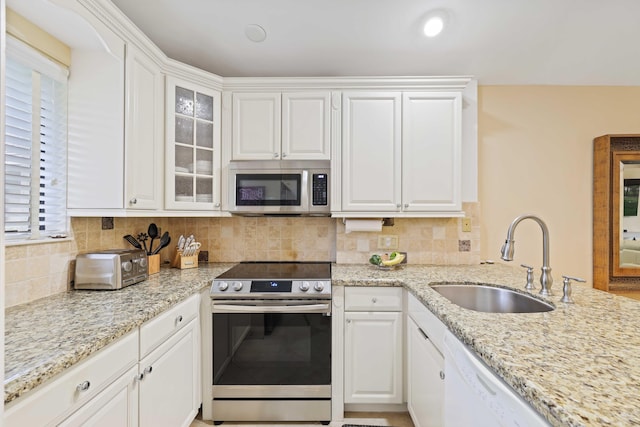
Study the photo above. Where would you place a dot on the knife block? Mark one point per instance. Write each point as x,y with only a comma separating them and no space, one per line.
184,262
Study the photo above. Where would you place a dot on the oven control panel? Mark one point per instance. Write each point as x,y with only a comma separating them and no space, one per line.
271,288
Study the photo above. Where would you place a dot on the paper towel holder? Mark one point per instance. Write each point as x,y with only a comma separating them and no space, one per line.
386,222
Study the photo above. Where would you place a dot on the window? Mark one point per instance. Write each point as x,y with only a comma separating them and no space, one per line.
35,144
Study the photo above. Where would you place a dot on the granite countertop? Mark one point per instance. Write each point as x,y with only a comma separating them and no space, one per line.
46,336
578,365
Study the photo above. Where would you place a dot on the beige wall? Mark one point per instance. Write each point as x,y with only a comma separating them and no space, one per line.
535,156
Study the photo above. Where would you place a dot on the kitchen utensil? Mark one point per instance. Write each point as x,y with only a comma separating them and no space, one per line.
181,241
188,242
153,233
191,249
129,238
164,242
142,237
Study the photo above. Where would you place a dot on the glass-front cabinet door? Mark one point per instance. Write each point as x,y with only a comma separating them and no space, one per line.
193,146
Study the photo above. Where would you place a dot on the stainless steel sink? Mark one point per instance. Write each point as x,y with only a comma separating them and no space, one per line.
490,299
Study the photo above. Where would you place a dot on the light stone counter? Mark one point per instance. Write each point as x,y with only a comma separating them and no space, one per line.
46,336
578,365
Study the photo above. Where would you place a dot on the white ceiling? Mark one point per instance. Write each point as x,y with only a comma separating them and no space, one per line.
574,42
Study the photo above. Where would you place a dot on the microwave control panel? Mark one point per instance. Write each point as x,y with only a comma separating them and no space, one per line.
319,183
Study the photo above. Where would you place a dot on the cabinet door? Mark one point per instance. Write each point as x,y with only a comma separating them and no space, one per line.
256,126
371,151
306,125
425,378
431,151
117,405
373,357
169,391
192,178
143,131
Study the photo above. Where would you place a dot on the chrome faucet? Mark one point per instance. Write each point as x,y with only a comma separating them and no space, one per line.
508,248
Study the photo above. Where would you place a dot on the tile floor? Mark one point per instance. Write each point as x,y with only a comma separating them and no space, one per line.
395,419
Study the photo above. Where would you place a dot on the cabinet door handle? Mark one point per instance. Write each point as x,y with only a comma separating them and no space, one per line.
217,205
276,155
374,300
348,320
425,336
148,369
83,386
441,375
179,318
284,155
133,201
140,376
406,205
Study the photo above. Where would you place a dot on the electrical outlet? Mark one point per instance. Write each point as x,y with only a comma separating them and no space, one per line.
388,241
466,224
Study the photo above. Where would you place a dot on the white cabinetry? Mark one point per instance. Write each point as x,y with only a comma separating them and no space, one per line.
150,377
169,375
425,366
143,131
101,379
193,146
281,126
401,154
115,127
373,345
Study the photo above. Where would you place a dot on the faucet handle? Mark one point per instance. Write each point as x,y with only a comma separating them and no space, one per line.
566,288
529,286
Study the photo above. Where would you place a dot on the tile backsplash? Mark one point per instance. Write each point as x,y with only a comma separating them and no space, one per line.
38,270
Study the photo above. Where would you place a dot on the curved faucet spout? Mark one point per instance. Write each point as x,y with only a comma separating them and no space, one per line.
508,249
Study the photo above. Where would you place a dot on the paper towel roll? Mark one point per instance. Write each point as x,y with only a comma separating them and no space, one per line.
363,225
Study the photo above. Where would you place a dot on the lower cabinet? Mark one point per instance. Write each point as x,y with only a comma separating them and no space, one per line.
373,345
425,377
114,406
148,378
425,365
168,385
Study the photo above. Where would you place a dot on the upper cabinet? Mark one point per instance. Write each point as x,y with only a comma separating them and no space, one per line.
401,154
192,175
281,126
115,127
143,131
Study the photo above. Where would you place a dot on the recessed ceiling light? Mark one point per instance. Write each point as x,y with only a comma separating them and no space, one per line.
435,23
255,33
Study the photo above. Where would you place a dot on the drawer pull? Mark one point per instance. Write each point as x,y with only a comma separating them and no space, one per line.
179,318
148,369
83,386
374,300
140,376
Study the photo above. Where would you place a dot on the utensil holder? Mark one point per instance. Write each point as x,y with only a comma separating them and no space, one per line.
184,262
153,261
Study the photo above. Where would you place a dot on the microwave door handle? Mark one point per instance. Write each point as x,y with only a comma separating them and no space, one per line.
307,191
302,308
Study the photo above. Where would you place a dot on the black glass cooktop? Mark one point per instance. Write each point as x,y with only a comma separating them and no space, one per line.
259,270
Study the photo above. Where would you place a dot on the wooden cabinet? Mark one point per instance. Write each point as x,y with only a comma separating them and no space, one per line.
425,366
281,126
192,180
143,131
401,153
373,345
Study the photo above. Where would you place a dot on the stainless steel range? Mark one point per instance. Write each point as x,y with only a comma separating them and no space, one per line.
271,345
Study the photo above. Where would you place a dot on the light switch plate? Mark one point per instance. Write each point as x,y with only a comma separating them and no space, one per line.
388,241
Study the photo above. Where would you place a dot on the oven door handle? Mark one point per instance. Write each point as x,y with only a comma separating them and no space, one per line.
300,308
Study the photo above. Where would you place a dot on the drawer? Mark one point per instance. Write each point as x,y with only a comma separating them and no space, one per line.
373,299
427,321
49,403
157,330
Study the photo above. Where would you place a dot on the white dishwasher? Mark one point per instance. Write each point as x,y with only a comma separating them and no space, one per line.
475,396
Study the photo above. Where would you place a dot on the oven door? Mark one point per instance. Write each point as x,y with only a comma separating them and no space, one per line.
271,349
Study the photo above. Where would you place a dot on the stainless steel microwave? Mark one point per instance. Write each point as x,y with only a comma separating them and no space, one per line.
285,187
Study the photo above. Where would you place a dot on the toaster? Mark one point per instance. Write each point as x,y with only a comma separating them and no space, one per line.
110,269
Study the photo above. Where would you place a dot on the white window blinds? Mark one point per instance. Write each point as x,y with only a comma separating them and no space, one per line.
35,144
